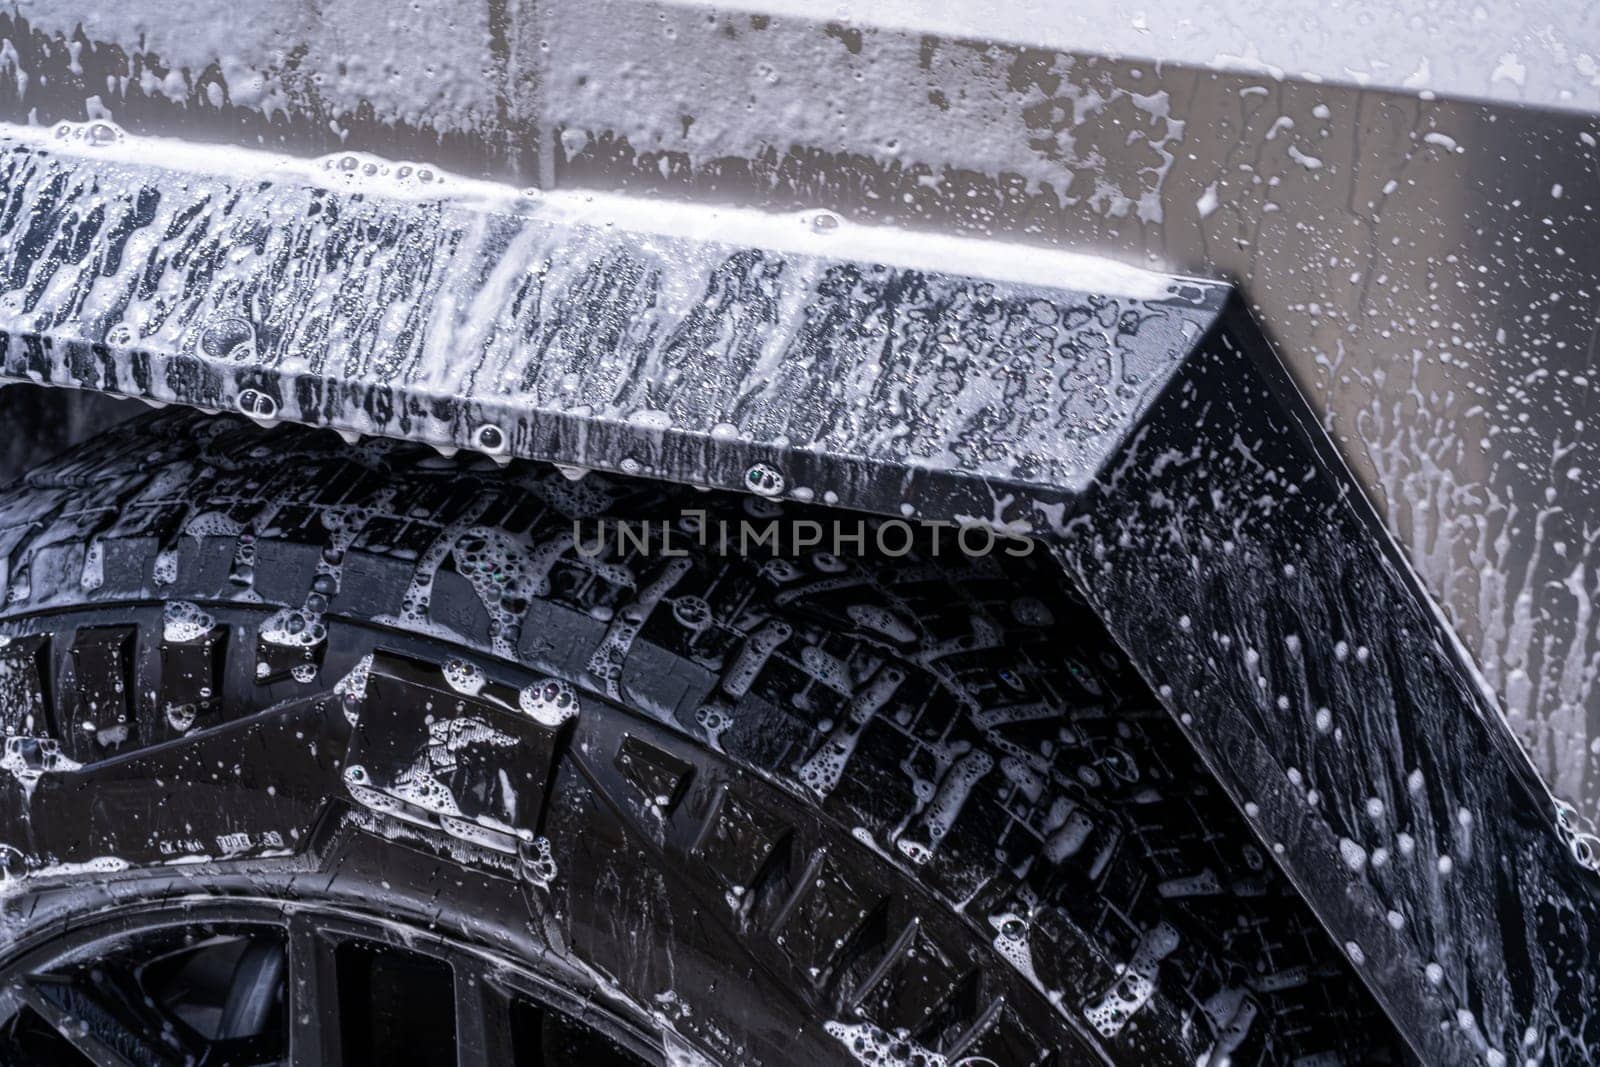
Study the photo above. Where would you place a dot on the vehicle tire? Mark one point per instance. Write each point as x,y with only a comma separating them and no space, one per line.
735,808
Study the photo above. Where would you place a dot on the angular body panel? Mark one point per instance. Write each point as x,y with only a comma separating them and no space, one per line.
408,304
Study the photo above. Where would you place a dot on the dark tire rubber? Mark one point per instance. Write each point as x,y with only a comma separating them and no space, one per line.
794,810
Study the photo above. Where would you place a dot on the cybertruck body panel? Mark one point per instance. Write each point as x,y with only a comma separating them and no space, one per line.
913,271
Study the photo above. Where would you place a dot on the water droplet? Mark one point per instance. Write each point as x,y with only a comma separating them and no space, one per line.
764,480
489,438
101,134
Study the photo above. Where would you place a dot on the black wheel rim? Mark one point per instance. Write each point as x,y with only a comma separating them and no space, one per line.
231,982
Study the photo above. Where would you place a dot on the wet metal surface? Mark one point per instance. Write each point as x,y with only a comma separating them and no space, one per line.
519,328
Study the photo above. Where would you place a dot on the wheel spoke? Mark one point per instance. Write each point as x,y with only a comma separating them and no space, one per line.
99,1024
483,1021
312,996
254,990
